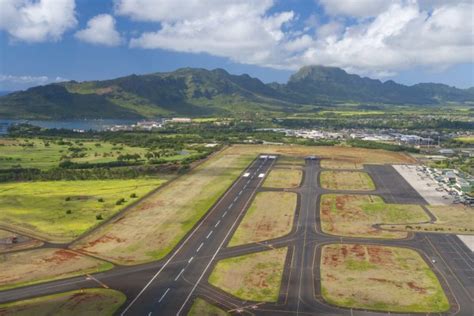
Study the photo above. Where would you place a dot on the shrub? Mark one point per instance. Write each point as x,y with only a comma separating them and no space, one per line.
99,217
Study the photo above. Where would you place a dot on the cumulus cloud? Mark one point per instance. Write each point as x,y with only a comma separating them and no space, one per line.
37,21
370,37
100,30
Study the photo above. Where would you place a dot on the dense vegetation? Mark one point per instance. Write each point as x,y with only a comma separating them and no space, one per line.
198,92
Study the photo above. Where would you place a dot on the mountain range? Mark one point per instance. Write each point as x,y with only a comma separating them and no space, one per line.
194,91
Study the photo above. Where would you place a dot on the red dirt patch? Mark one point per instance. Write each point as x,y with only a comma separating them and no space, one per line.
418,289
61,256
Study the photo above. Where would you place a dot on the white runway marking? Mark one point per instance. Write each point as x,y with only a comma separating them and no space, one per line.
230,206
225,213
235,200
200,246
179,274
162,297
217,224
190,259
209,235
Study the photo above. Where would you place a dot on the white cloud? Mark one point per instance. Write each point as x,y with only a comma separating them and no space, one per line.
100,30
356,8
381,37
240,30
37,21
16,82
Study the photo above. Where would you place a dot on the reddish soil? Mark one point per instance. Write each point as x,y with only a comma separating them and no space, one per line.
397,284
379,256
61,256
103,240
418,289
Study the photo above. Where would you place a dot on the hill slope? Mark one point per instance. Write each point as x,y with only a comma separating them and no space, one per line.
191,91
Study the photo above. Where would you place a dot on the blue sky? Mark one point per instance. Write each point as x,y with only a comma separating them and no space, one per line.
409,41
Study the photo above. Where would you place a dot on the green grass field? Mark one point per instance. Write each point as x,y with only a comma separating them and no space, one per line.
60,211
43,154
255,277
81,302
465,139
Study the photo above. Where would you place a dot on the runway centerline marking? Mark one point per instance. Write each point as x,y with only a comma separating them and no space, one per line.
190,259
217,224
225,213
209,235
200,246
179,274
162,296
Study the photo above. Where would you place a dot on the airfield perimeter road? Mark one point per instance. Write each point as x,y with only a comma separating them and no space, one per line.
168,287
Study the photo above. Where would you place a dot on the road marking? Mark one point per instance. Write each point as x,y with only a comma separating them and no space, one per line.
236,198
200,246
175,253
215,254
217,224
179,274
209,235
162,296
225,213
190,259
149,314
230,206
240,193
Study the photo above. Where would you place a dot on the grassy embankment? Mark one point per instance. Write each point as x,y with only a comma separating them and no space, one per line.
346,180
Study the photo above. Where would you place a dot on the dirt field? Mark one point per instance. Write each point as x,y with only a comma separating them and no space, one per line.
380,278
354,215
346,180
358,155
283,178
22,242
153,227
454,218
40,265
254,277
341,164
201,307
270,216
78,303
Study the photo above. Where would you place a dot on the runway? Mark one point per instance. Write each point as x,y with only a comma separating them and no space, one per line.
169,286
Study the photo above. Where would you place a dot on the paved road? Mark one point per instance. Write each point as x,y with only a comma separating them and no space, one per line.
168,287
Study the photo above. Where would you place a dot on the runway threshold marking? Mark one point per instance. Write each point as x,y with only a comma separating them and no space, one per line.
179,274
216,252
176,252
162,296
200,246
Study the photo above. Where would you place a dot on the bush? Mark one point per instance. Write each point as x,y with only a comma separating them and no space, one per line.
120,201
133,195
99,217
68,212
67,199
101,200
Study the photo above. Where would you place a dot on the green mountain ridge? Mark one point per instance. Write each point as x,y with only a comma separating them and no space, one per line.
196,92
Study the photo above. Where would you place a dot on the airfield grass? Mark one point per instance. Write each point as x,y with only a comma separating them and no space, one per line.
340,164
153,227
43,154
359,155
453,219
201,307
79,303
60,211
290,161
40,265
346,180
270,216
254,277
380,278
355,215
283,178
